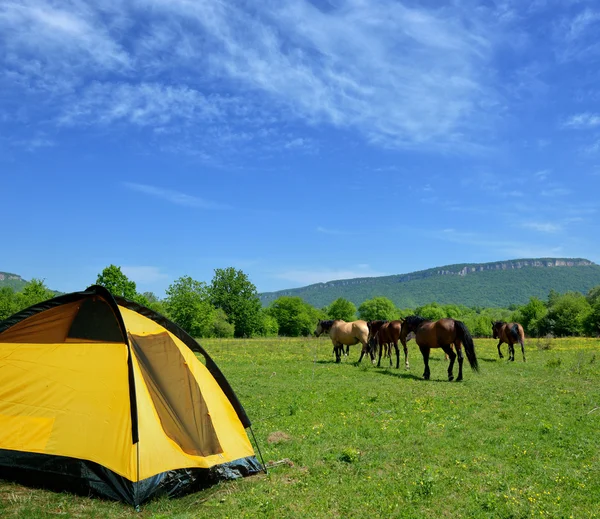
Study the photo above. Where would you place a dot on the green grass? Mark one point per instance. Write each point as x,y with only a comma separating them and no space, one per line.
513,441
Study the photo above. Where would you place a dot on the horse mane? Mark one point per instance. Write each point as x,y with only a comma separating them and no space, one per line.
326,325
499,323
414,320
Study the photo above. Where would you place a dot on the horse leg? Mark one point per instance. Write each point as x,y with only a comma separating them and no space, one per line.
380,348
522,348
338,353
511,355
459,353
425,353
499,352
347,349
395,345
452,356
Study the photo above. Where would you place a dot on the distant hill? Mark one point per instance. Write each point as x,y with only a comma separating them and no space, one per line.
13,281
497,284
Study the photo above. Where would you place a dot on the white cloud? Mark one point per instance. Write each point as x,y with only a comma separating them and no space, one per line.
145,104
546,227
582,121
174,197
399,75
144,274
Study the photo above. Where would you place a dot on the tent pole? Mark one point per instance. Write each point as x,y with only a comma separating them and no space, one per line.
259,452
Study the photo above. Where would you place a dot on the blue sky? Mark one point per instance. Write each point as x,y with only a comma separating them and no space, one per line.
300,141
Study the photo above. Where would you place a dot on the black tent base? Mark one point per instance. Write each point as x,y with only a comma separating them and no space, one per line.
81,477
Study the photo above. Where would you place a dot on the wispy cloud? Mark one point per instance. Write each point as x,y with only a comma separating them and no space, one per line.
556,191
175,197
334,232
398,75
308,276
542,174
144,274
583,120
546,227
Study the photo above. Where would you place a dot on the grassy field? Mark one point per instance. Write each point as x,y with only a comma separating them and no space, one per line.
513,441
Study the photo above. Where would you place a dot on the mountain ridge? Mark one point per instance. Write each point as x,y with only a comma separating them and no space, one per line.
415,288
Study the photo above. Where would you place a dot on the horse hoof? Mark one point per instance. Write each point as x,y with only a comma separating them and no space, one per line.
459,379
450,378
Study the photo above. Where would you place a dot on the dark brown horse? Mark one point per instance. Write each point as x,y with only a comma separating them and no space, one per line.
382,333
510,333
441,334
346,334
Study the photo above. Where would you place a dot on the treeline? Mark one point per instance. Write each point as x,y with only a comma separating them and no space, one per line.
230,307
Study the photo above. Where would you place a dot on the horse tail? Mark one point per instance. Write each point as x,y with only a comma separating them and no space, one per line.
515,332
467,340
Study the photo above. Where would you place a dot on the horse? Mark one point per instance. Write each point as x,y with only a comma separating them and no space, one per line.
510,333
346,334
441,334
387,333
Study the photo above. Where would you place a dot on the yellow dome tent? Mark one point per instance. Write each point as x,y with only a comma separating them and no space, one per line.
101,395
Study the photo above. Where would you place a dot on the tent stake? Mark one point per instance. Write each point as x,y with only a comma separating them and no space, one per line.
259,452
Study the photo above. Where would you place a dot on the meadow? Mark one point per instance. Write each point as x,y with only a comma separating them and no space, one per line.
515,440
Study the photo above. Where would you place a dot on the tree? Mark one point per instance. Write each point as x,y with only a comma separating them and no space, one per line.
593,295
294,316
189,306
8,302
432,311
532,317
232,291
568,312
117,283
342,309
34,292
220,325
591,322
268,325
377,308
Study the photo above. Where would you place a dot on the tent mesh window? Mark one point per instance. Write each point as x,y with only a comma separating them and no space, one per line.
95,321
182,411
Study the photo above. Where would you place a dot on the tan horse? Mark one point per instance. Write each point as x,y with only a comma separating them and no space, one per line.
346,334
510,333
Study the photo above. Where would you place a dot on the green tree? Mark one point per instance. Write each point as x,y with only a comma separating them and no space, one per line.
342,309
591,322
220,325
568,314
188,304
234,293
432,311
8,302
34,292
377,308
593,295
532,317
268,325
117,283
294,316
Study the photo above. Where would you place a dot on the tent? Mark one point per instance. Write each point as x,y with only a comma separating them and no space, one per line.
101,395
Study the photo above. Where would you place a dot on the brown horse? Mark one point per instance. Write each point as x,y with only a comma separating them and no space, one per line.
510,333
441,334
346,334
382,333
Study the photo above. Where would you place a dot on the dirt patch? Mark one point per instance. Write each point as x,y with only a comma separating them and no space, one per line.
278,437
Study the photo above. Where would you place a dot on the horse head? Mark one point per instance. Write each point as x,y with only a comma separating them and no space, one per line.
496,325
319,329
323,327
